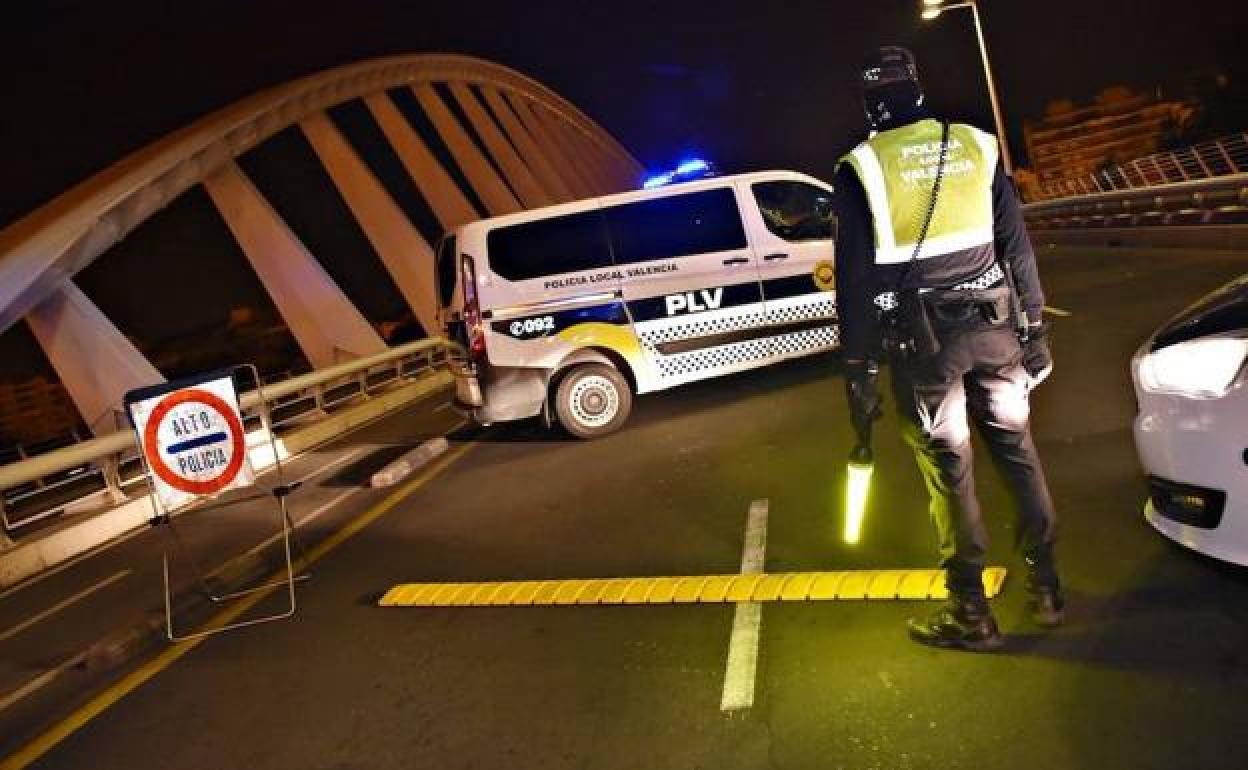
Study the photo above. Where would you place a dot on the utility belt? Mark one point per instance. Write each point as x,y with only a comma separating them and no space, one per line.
913,320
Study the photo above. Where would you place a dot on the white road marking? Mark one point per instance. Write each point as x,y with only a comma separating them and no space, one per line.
28,622
42,576
38,682
334,464
278,536
1057,311
742,665
313,516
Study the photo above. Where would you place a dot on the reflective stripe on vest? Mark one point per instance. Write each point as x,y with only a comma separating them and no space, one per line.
897,169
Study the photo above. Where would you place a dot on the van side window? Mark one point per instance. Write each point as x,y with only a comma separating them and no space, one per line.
550,246
796,211
675,226
446,269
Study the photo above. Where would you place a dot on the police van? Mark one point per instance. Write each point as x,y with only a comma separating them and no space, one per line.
569,311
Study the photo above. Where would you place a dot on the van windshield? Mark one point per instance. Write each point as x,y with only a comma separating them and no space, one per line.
446,269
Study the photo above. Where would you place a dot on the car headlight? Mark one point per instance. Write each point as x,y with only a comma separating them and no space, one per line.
1200,368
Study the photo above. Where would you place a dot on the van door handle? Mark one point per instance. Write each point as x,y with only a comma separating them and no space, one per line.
736,260
773,257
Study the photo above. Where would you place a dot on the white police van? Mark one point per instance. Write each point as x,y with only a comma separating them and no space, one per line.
573,309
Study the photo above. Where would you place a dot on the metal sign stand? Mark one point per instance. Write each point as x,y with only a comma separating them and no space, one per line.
161,516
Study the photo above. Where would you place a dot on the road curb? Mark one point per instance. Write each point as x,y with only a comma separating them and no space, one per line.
409,463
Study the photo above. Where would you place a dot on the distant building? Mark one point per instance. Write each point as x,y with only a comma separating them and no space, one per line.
1122,125
35,410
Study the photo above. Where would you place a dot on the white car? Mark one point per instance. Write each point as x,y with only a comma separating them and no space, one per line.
1191,382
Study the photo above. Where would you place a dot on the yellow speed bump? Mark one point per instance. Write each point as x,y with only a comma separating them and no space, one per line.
876,584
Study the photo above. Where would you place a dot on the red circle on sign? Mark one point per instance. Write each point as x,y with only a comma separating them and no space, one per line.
152,450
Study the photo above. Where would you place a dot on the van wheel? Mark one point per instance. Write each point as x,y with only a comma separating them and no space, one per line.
593,400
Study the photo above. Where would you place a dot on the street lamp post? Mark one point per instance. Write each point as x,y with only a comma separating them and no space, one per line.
932,9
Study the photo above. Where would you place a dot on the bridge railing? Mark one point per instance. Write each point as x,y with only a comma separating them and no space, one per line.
1199,202
1221,157
107,467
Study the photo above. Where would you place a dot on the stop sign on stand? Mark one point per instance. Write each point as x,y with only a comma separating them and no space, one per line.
194,447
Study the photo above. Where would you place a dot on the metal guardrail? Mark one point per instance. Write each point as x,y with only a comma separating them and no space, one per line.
1217,201
1222,157
38,487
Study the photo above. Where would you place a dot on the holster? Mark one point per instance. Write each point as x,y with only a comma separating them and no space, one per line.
907,330
913,329
949,309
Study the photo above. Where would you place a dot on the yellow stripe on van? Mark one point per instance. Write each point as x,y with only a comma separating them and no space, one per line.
621,339
845,585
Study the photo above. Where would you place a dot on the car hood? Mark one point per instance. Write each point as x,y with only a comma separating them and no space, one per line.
1222,311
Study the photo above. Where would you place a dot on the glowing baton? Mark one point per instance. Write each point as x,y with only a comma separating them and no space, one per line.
861,464
864,408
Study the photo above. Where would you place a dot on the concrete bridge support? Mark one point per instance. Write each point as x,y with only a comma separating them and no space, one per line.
404,251
521,179
328,328
492,191
526,145
551,147
448,202
94,360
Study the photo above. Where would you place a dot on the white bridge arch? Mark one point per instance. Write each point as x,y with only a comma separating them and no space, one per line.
538,149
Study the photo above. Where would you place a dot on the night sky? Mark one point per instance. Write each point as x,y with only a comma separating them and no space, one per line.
748,85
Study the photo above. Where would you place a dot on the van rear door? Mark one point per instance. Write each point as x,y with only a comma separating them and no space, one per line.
545,276
446,278
691,283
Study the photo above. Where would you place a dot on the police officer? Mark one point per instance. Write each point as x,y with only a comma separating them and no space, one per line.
935,274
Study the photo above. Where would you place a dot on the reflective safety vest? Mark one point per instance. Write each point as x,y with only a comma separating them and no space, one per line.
897,169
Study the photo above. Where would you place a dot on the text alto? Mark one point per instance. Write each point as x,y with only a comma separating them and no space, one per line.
694,302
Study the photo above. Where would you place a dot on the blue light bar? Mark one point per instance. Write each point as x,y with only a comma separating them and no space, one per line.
657,181
692,166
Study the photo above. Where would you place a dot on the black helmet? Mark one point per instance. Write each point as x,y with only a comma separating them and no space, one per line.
890,85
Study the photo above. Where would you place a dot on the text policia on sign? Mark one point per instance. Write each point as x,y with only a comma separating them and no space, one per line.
192,438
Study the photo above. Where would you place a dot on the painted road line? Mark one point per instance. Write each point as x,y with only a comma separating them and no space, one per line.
39,682
268,541
133,680
844,585
1057,311
55,608
308,519
58,569
742,667
331,465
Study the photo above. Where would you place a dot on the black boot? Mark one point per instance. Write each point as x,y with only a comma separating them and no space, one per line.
965,623
1045,602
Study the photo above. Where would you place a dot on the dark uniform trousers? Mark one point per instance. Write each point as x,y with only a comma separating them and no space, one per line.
978,374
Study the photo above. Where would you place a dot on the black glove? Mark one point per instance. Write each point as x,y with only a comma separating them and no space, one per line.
862,393
1036,357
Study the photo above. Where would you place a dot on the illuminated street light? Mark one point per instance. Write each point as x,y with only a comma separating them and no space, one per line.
932,9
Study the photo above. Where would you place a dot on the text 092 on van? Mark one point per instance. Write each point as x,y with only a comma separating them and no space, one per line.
569,311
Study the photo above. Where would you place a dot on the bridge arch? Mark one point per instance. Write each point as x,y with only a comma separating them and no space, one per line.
532,147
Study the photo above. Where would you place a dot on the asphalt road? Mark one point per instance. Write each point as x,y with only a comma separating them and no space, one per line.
1151,670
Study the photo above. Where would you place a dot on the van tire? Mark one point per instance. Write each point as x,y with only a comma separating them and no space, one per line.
593,400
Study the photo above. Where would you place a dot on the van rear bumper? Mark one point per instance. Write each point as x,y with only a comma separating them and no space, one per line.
489,394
